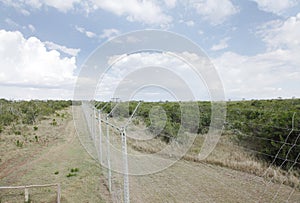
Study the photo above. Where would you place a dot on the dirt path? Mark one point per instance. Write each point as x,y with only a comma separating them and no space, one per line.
195,182
188,181
52,164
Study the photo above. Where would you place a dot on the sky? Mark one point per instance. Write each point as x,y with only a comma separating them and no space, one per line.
253,44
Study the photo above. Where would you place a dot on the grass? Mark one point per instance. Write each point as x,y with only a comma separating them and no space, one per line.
230,155
49,161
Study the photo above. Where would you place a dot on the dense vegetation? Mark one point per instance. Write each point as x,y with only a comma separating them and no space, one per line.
269,127
262,126
28,112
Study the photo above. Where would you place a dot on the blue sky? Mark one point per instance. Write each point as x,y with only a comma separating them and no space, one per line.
254,44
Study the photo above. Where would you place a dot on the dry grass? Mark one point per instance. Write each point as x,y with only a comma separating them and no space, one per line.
227,154
36,162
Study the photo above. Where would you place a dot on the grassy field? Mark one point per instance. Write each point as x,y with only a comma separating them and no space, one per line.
50,159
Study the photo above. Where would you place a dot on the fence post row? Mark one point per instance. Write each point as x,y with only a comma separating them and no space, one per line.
122,131
26,190
100,133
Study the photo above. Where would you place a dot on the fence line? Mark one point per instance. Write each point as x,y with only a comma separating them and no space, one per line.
94,117
26,187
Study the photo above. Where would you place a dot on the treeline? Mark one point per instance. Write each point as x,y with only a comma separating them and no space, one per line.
271,128
28,112
168,114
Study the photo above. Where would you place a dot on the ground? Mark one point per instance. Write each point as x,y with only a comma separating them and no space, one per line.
58,150
37,163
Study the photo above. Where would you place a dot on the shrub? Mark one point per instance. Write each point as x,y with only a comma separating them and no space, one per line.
71,174
74,170
54,123
17,132
56,172
35,128
19,144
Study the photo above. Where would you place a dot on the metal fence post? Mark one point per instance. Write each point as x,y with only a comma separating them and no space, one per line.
100,137
26,195
125,167
58,193
108,154
91,124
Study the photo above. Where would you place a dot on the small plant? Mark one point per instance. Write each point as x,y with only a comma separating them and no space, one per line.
19,144
56,172
54,123
36,138
71,174
17,132
74,170
35,128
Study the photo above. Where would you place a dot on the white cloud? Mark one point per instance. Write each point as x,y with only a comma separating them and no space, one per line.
190,23
18,5
31,28
11,23
64,49
275,6
214,11
82,30
170,3
282,34
109,33
147,12
106,33
223,44
90,34
200,32
62,6
267,75
26,64
167,70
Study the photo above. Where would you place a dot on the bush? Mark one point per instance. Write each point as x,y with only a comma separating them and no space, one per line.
19,144
54,123
74,170
71,174
35,128
56,172
17,132
28,112
268,126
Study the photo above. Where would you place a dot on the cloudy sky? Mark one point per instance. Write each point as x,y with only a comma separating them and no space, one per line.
254,44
